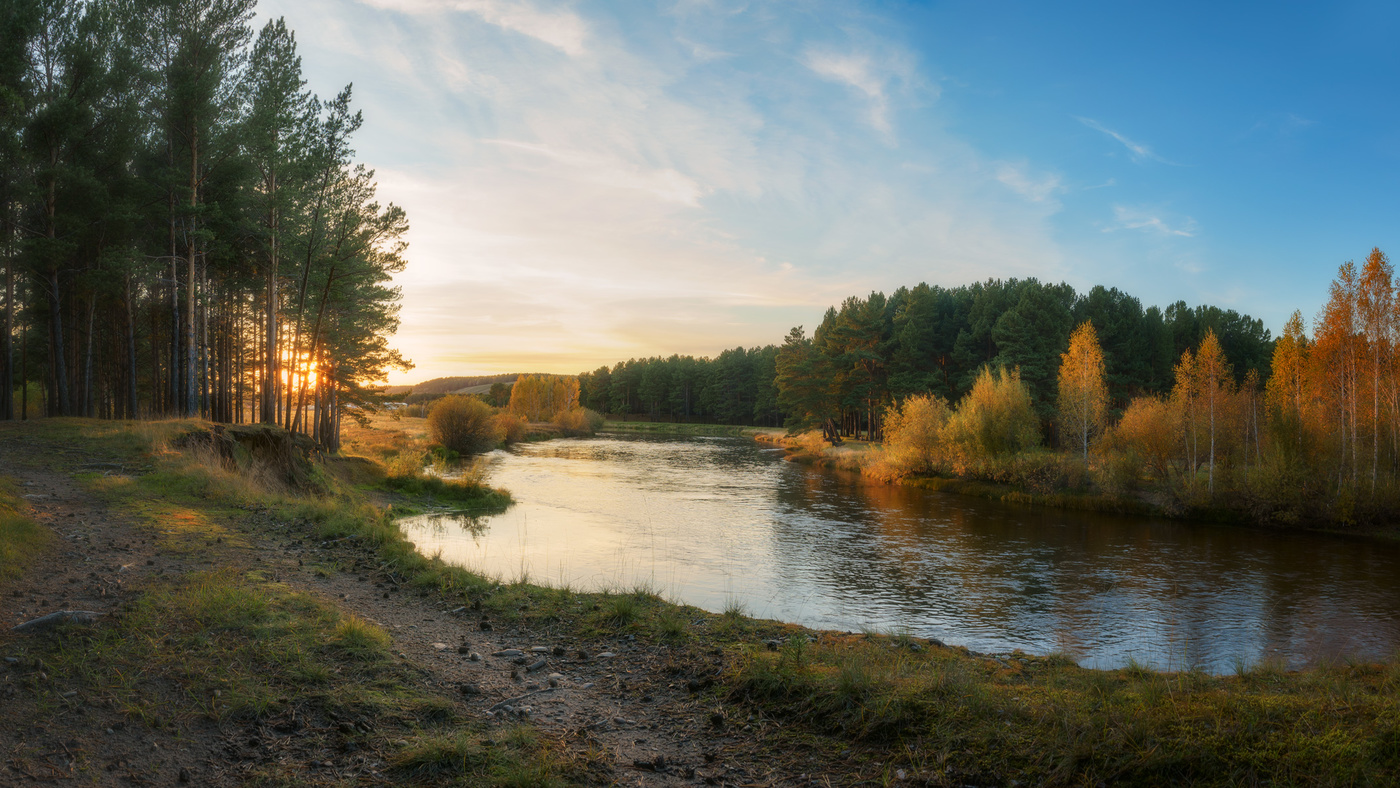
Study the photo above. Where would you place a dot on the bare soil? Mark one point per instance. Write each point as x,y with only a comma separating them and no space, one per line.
631,713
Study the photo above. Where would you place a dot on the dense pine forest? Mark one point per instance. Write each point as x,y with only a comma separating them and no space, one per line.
185,229
927,339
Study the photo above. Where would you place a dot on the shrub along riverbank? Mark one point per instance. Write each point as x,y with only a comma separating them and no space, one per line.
858,708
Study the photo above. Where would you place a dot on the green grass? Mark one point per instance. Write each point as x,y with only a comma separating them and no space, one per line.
1047,722
461,494
512,757
21,538
230,646
943,715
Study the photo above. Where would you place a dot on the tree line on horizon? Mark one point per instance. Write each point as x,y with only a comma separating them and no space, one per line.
873,351
183,226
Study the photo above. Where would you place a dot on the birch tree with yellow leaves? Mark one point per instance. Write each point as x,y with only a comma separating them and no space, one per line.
1083,390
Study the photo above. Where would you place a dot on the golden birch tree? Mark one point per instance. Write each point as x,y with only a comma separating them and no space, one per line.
1215,384
1334,367
1185,396
1375,311
1083,389
1285,394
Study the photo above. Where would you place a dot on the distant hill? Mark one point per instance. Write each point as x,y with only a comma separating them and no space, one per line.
452,385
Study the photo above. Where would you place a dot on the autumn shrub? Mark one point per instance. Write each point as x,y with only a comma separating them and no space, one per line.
913,437
994,419
1034,470
1119,473
578,422
512,427
463,424
1150,428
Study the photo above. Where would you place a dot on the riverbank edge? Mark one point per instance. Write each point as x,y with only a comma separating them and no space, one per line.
1144,504
836,702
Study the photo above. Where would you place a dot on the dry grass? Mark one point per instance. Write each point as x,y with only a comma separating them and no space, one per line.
21,539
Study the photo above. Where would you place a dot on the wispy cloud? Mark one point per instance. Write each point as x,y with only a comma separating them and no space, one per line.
1126,218
666,184
650,198
857,71
1139,151
561,29
1036,189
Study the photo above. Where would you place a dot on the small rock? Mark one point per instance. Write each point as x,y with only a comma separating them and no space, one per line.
441,646
537,665
12,660
556,675
457,611
606,654
553,682
464,649
474,657
507,652
539,650
589,685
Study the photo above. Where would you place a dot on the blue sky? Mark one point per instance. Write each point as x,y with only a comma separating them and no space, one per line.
590,182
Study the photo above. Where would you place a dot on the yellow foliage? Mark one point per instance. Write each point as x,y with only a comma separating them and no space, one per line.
1151,427
463,424
511,426
578,422
995,418
539,397
913,434
1083,389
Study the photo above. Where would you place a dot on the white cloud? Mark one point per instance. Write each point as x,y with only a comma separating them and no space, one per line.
563,30
1036,189
857,71
568,212
1126,218
1137,150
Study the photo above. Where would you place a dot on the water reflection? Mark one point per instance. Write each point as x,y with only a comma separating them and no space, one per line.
715,521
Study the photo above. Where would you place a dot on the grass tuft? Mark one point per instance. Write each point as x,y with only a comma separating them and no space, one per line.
21,539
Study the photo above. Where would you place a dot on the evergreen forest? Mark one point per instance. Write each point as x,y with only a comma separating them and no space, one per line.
184,228
873,351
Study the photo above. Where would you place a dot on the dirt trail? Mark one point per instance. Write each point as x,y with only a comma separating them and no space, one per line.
94,566
639,711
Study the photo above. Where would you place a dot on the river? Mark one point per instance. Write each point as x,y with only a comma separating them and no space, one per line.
719,522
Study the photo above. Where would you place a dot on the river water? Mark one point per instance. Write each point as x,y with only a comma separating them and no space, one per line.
715,522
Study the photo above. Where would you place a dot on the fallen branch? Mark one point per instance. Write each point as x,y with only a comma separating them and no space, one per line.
54,619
